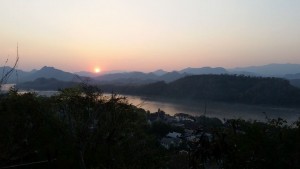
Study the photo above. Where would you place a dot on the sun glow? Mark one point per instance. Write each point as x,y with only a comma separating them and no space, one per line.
97,70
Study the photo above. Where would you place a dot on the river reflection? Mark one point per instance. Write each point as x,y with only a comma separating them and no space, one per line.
214,109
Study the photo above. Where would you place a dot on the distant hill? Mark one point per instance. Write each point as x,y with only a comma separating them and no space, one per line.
137,75
159,75
19,76
292,76
45,84
287,71
91,74
278,70
224,88
110,77
204,70
159,72
86,74
16,74
171,76
295,82
49,72
244,73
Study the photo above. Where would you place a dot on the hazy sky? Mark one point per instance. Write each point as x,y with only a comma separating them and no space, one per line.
146,35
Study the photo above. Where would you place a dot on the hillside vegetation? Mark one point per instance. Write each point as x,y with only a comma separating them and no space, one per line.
225,88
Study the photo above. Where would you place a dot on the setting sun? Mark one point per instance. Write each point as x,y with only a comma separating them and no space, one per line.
97,70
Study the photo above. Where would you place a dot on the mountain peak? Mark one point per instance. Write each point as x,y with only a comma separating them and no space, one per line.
49,72
204,70
159,72
48,68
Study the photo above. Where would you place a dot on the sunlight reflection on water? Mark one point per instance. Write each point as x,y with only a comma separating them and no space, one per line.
219,110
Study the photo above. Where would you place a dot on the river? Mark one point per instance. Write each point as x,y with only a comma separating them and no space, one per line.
216,109
213,109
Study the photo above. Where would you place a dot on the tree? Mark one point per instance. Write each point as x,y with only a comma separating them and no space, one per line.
79,109
26,128
106,132
7,73
79,127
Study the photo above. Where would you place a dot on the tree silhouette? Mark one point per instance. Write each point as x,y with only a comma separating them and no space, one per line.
7,73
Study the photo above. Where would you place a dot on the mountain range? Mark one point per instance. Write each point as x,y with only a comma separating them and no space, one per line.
134,77
19,76
287,71
275,70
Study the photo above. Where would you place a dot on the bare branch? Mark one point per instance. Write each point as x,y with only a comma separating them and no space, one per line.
7,74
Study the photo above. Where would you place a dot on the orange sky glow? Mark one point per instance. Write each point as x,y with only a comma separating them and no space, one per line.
144,35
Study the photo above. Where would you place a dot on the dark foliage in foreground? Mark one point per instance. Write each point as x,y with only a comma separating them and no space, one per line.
80,128
248,145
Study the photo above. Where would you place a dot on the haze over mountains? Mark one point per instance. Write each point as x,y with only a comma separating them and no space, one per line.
276,70
287,71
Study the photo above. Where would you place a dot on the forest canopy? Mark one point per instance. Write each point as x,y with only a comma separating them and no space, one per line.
81,128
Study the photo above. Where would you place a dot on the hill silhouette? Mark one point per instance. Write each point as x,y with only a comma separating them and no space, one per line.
204,70
140,78
49,72
278,70
224,88
46,84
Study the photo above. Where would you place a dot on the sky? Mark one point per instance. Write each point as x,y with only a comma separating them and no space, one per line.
145,35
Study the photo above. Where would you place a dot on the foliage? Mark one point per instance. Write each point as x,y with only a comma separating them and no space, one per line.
161,129
82,128
248,145
78,128
27,128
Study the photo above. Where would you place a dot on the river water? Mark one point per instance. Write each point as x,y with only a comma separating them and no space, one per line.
216,109
210,109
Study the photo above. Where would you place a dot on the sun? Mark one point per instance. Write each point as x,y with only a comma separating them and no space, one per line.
97,70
